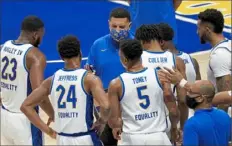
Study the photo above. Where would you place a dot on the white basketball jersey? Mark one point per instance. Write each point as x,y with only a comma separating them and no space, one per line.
154,59
219,61
15,83
73,106
142,103
189,66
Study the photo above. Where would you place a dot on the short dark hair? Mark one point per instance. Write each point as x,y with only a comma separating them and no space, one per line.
131,48
214,17
148,32
120,13
32,23
69,46
166,31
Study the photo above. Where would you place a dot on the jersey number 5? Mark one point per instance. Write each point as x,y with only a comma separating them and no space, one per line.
71,97
8,62
142,97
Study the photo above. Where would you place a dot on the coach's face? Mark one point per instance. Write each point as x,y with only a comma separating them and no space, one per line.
202,32
119,28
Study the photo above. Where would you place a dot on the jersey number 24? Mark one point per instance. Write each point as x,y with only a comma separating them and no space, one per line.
71,96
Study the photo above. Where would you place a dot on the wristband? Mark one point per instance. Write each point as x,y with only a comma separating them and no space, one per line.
182,83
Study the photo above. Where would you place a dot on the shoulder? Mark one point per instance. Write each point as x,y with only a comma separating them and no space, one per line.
116,83
101,40
35,55
191,123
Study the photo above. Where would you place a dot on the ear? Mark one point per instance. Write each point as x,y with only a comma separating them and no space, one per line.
200,98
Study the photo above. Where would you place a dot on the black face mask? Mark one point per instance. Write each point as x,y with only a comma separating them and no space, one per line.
191,102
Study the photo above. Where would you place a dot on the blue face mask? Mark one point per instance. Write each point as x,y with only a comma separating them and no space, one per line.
118,36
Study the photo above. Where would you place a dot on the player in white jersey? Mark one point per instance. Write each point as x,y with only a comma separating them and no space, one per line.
138,100
22,70
191,65
72,90
153,55
210,26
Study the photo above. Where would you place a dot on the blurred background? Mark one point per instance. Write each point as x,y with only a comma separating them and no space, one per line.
88,20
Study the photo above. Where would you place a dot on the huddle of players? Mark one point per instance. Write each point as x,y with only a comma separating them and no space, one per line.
145,101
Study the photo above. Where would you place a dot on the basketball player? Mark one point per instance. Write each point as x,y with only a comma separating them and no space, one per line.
22,70
153,56
139,98
191,65
71,90
210,25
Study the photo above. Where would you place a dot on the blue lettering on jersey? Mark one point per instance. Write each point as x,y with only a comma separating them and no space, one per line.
158,60
145,116
68,114
8,86
10,50
67,78
185,61
139,80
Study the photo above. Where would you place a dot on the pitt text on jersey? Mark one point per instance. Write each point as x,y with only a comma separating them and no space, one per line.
12,64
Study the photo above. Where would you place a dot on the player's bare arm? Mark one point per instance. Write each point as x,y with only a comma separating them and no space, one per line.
36,97
94,86
197,69
114,94
224,84
222,98
181,94
36,63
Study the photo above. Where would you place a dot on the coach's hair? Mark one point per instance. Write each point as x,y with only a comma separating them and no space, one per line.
166,31
120,13
131,48
31,24
148,32
214,17
69,46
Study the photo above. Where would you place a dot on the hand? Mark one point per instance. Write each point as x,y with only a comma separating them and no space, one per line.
89,68
52,133
117,133
98,126
50,120
176,136
174,76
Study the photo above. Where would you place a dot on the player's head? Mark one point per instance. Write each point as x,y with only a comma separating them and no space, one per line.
130,52
148,34
119,23
209,22
167,34
201,95
34,28
69,48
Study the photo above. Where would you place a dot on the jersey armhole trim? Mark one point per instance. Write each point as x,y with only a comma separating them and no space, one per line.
25,58
53,77
174,60
123,88
193,63
82,83
156,75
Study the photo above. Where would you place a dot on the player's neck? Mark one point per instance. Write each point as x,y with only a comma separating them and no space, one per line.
72,63
136,67
24,38
216,39
154,47
172,48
